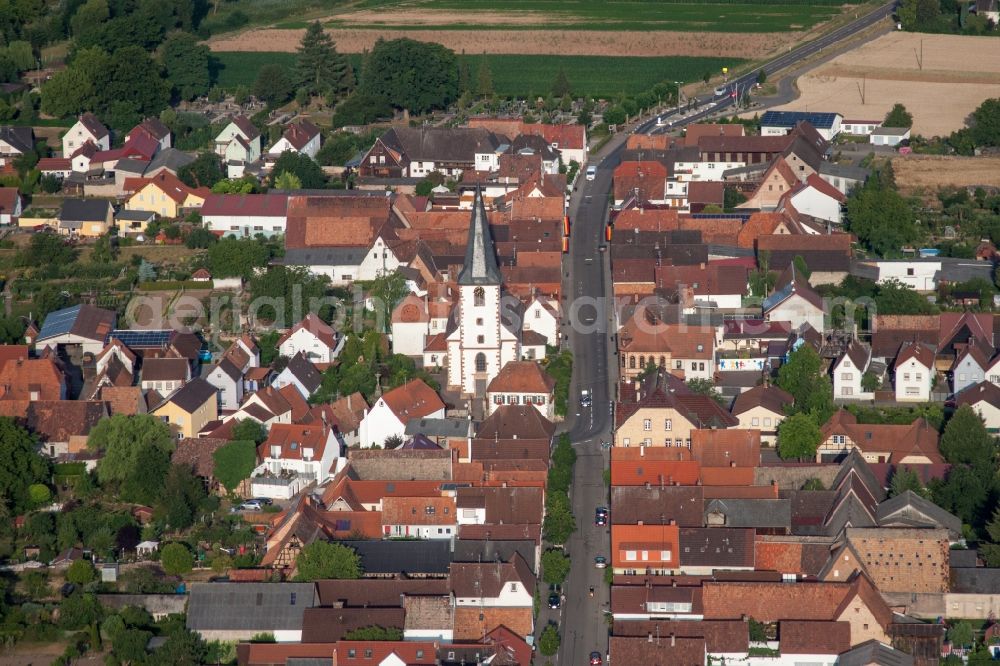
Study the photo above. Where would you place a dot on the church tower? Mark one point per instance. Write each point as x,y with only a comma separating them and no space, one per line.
480,343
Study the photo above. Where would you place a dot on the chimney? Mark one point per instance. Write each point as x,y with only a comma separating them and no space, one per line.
672,522
649,638
673,642
732,463
647,485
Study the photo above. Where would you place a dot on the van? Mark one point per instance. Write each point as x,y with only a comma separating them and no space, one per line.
591,172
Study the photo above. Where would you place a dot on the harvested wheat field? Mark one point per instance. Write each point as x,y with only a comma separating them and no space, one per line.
958,73
530,42
927,173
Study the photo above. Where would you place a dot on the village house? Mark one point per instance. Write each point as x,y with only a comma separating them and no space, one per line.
14,142
762,408
239,611
410,326
10,205
849,371
294,456
395,408
488,594
419,517
778,123
984,398
914,372
971,363
299,373
163,194
301,137
164,375
522,382
645,549
86,128
87,218
83,325
189,408
408,152
660,411
238,144
245,215
228,382
685,351
796,302
313,338
916,443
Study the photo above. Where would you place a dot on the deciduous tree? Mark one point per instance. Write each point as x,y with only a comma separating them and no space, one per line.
176,559
234,462
798,437
418,76
186,63
322,559
21,467
273,84
555,566
898,116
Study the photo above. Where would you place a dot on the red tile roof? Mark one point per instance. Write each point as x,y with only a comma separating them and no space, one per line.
413,400
648,177
251,205
319,328
522,377
723,448
293,440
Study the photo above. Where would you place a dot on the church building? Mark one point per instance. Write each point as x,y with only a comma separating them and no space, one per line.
479,341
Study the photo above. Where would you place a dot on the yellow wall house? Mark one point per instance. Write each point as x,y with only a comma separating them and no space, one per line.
164,194
87,218
189,408
660,410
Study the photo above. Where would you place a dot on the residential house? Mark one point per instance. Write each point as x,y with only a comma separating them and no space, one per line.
828,256
409,152
859,127
984,398
349,411
60,426
726,448
151,128
704,550
522,382
133,222
88,218
313,338
346,238
410,326
778,181
10,205
395,408
164,375
301,137
713,286
510,432
246,215
86,128
795,302
163,194
542,316
659,411
645,549
228,382
762,408
189,408
777,123
644,181
239,611
489,594
915,443
889,136
818,199
849,371
294,456
419,517
243,353
14,142
843,177
83,325
856,601
914,372
971,363
238,144
300,373
685,351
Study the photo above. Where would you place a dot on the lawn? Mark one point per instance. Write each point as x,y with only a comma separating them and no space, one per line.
603,15
524,75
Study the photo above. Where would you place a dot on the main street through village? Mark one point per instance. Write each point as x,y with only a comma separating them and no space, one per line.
582,619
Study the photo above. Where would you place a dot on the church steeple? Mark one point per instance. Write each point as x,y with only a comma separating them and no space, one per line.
480,256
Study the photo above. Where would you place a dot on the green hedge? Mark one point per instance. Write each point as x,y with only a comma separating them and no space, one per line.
173,285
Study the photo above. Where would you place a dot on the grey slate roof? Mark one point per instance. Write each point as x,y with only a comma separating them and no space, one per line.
84,210
761,513
18,138
480,267
248,606
978,580
476,550
849,172
909,508
442,144
192,395
325,256
963,558
874,653
398,557
440,427
305,372
170,158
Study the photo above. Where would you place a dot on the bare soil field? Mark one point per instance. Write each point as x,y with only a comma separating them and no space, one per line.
927,173
956,75
531,42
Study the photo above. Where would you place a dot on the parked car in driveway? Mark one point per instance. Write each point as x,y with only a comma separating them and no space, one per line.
601,562
553,600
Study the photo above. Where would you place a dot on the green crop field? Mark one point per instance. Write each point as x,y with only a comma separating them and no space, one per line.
605,15
524,75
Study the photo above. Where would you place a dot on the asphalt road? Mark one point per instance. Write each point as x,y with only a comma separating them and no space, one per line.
710,104
589,316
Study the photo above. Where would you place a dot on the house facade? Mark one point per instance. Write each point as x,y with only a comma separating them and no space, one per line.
914,372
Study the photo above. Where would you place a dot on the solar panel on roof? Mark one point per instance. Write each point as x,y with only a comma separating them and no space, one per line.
59,322
790,118
141,338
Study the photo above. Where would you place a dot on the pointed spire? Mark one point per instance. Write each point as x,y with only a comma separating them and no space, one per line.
480,256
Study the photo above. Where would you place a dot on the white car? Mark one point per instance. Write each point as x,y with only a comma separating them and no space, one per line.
720,91
591,172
